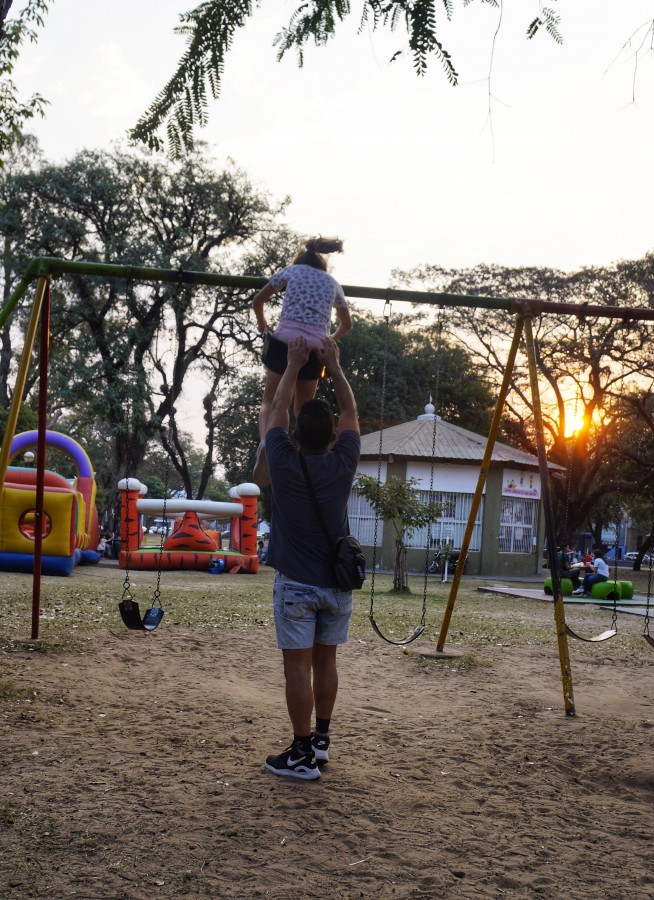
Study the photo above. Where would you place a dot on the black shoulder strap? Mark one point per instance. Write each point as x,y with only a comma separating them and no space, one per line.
314,499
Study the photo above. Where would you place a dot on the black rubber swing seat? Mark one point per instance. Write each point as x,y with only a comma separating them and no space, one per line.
131,616
407,640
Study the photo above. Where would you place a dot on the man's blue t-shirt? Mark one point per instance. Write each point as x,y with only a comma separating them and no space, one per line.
298,547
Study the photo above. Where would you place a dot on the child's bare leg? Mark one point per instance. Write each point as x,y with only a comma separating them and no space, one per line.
304,390
272,382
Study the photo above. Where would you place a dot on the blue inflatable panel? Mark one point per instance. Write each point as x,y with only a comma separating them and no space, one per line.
24,562
89,558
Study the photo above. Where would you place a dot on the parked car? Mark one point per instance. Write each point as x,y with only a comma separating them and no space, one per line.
632,556
159,529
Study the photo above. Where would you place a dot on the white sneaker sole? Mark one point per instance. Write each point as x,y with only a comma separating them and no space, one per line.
301,772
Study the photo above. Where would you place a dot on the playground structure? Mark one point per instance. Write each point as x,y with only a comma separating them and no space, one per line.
189,545
524,310
69,517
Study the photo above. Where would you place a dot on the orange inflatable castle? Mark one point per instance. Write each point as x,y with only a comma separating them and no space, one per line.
190,545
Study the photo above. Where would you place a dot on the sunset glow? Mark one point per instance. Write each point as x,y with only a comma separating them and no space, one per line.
574,423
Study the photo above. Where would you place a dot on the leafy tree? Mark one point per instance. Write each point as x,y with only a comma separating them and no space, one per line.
123,355
239,433
398,501
14,114
419,363
182,104
602,369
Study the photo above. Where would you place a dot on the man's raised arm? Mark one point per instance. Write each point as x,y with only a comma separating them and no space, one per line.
348,419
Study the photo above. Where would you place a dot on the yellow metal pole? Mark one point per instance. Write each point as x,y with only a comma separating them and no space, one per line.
21,377
481,481
559,612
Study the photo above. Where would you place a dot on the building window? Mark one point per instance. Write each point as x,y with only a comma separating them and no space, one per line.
518,520
450,526
362,521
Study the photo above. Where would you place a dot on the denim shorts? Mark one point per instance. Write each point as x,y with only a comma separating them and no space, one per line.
306,614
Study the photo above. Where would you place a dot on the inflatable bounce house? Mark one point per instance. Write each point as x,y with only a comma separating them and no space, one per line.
70,524
189,545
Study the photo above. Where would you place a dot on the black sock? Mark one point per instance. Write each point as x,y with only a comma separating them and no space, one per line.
322,725
302,743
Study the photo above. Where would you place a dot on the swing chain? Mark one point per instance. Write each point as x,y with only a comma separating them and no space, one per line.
436,404
127,592
156,596
649,588
614,615
386,316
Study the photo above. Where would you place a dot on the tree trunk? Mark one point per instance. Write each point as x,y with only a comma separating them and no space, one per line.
400,578
644,548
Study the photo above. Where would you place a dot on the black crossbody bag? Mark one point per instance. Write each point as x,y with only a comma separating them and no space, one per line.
349,561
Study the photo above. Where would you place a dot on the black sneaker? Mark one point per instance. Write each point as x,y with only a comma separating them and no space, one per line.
320,744
295,763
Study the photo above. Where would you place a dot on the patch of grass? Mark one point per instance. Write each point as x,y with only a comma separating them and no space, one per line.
87,601
8,814
11,691
470,661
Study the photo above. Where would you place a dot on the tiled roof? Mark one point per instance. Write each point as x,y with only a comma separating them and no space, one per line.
413,440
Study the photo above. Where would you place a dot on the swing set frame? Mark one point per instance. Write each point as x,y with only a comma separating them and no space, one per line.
42,269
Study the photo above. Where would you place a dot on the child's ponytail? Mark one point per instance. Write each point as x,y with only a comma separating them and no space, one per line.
312,252
324,245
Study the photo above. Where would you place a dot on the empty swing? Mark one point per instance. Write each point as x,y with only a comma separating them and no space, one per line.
128,607
648,637
371,615
604,635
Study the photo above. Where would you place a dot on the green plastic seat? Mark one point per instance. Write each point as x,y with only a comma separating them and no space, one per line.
627,589
566,587
607,590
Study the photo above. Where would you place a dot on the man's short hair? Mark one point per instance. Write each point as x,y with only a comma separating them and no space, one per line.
314,427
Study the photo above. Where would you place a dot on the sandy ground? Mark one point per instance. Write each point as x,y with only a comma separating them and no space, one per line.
132,767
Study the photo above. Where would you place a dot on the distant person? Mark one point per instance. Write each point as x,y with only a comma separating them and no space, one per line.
262,553
565,567
309,296
596,572
312,615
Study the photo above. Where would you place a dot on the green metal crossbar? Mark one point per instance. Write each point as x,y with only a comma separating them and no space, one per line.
43,266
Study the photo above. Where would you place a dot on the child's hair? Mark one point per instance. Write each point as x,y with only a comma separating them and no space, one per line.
311,252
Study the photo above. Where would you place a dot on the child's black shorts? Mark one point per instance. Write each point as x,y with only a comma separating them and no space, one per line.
275,358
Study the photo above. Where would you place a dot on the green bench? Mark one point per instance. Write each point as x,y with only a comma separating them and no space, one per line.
601,590
566,586
605,590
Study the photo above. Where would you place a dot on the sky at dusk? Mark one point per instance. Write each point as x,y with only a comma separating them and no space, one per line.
548,163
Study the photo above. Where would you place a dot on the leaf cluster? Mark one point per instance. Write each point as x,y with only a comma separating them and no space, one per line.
14,113
182,105
549,20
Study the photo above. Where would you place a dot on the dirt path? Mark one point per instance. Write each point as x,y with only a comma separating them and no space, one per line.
135,771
